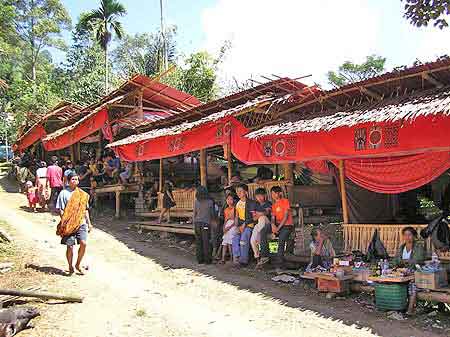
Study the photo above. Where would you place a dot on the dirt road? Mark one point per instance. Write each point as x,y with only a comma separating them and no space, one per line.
146,289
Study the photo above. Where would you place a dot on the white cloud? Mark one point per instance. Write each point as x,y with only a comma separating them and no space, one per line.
299,37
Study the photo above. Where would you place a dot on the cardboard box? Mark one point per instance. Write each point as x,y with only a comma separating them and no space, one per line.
431,280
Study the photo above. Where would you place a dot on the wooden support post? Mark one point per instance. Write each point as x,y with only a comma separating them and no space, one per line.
117,204
140,104
78,153
203,179
288,172
343,191
161,176
229,163
100,141
72,153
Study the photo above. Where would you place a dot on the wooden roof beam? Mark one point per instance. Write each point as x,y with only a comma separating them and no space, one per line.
430,78
371,93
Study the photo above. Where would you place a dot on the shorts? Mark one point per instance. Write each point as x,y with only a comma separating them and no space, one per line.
77,237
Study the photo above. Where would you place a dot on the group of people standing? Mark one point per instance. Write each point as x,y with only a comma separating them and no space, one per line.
247,225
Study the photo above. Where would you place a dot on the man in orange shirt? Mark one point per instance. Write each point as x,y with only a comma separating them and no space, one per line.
281,225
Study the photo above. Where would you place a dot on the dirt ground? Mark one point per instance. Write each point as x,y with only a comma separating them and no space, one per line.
140,285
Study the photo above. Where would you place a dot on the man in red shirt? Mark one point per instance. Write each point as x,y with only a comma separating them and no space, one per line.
282,225
54,177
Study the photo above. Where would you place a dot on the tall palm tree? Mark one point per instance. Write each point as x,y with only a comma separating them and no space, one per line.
104,22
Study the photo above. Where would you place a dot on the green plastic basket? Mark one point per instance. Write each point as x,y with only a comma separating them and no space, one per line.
391,296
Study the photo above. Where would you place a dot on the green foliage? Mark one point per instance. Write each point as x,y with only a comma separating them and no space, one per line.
104,20
39,24
350,72
423,12
143,53
198,77
80,79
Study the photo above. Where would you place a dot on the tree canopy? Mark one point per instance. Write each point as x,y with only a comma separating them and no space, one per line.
424,12
350,72
32,82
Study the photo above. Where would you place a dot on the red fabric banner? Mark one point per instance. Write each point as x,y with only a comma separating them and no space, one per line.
201,137
397,174
368,140
30,138
84,128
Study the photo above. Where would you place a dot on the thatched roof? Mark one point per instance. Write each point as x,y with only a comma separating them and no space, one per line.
406,108
62,114
178,129
86,117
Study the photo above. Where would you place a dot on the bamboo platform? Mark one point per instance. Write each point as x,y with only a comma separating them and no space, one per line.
117,189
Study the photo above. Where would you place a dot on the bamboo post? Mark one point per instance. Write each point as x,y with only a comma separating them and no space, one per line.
72,153
343,191
140,104
99,148
203,167
289,176
229,163
117,204
161,177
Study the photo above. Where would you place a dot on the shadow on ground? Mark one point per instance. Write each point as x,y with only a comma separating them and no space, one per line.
357,310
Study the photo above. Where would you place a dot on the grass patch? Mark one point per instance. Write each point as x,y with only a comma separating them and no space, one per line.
141,313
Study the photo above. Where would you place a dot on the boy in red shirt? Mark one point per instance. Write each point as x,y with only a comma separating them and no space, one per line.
281,225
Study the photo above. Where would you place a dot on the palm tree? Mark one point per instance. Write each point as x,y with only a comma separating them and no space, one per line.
103,22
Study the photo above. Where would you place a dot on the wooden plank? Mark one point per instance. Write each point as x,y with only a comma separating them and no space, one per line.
328,276
151,223
45,296
173,213
169,229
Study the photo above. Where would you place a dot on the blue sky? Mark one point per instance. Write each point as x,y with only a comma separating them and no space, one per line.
285,37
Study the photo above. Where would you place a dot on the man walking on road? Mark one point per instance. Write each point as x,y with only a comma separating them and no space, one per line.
75,223
54,177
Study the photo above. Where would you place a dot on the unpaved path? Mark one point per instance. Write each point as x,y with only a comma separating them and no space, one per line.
137,289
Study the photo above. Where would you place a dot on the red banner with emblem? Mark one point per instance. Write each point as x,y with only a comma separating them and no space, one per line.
85,127
31,137
201,137
368,140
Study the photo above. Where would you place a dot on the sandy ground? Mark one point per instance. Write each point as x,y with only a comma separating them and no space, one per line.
138,286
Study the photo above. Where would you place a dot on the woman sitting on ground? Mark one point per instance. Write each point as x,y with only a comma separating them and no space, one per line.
322,251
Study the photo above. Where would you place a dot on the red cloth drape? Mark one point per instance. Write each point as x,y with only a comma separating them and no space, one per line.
425,133
86,127
394,175
201,137
38,132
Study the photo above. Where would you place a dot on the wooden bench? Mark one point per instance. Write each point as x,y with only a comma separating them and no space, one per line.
184,199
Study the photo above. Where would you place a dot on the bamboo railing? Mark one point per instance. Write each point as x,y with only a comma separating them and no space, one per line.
284,184
358,236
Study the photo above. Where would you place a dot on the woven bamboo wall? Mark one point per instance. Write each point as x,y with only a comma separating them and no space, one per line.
184,198
358,236
268,185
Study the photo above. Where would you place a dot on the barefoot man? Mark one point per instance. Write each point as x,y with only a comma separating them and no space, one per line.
75,223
